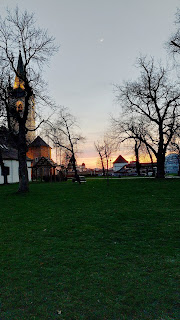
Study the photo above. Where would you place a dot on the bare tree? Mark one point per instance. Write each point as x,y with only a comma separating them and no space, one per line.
174,41
105,149
63,133
100,149
18,32
150,110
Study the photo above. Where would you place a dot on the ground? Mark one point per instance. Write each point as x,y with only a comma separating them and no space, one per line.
90,252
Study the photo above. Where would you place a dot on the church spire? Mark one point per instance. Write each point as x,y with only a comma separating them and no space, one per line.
19,83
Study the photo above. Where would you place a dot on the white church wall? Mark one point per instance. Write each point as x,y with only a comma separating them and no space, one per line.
13,176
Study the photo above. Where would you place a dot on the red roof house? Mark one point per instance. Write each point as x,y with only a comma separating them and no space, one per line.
120,159
119,163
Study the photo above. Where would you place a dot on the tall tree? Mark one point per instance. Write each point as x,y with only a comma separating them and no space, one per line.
20,38
150,110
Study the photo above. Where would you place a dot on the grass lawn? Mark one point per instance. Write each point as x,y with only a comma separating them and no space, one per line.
90,251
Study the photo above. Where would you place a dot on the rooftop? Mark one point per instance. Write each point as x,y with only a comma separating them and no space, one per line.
39,142
120,159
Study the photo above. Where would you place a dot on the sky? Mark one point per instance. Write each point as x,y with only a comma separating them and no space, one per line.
99,41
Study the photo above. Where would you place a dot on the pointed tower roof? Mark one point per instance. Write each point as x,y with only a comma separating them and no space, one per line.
20,66
120,159
19,83
38,142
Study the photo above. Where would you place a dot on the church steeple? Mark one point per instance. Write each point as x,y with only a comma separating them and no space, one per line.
17,101
19,83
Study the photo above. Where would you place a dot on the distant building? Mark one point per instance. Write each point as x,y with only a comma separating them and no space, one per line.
82,168
172,163
121,167
119,163
146,168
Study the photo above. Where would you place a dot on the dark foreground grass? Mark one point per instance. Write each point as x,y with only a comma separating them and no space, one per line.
91,251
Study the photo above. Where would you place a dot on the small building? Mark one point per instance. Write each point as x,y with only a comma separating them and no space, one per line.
119,163
37,149
10,160
43,167
146,168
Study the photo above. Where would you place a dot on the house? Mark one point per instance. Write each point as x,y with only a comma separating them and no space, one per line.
42,164
121,167
10,160
119,163
38,148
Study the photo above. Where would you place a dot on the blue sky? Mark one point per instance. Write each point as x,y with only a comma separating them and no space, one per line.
99,43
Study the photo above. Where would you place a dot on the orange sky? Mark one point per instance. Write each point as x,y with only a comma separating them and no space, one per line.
92,160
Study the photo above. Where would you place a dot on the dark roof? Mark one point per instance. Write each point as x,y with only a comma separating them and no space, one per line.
120,159
7,145
9,153
38,142
44,163
6,138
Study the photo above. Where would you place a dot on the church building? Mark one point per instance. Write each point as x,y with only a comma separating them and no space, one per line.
17,100
39,152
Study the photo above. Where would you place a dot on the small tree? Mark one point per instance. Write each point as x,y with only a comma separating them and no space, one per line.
63,133
100,149
105,149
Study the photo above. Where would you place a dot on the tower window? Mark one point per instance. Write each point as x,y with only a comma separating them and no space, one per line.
19,106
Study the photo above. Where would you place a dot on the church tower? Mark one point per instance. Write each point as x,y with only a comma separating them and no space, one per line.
17,101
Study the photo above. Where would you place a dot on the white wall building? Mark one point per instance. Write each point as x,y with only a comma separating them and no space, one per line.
10,160
119,163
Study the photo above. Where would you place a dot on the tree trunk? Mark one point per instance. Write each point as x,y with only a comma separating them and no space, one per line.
102,164
160,165
137,159
22,148
75,170
160,155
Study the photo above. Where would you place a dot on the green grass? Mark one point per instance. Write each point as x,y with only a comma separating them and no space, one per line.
90,251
